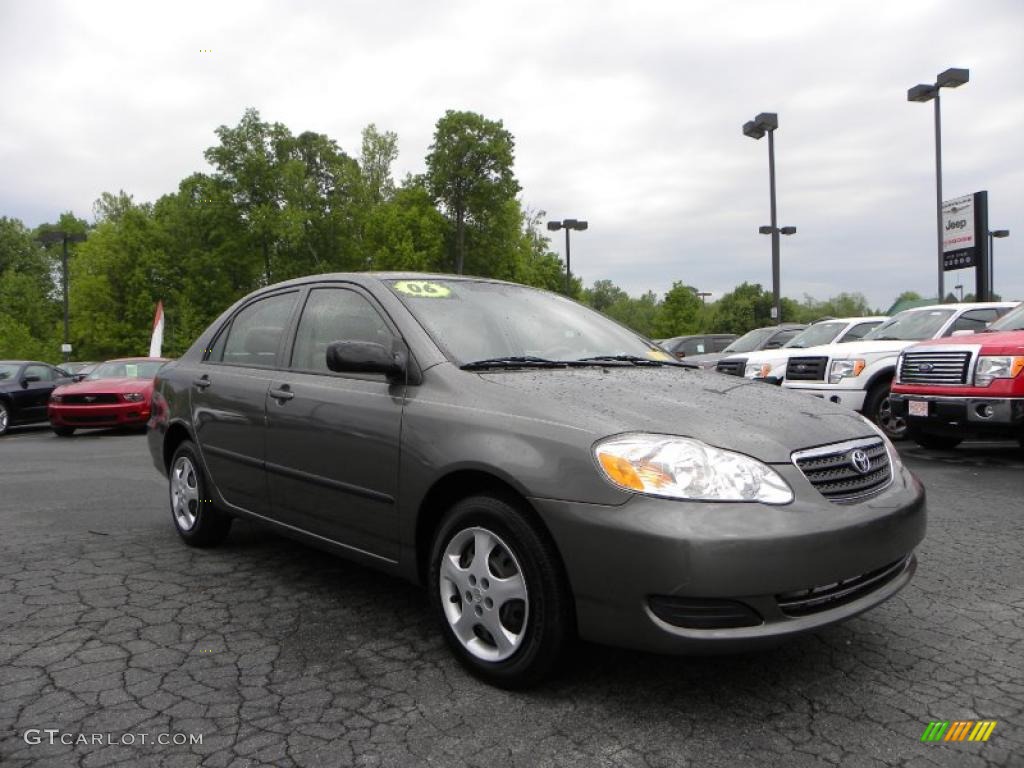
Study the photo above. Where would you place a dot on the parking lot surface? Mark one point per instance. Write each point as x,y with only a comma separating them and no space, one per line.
277,654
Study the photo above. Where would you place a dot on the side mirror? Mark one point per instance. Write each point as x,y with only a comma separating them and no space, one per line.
365,357
29,379
78,376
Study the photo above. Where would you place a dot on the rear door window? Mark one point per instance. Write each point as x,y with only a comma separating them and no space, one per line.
255,336
973,320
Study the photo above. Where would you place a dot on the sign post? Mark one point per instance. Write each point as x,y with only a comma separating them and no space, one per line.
964,240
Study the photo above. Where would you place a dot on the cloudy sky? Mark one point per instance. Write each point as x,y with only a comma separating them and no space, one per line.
626,114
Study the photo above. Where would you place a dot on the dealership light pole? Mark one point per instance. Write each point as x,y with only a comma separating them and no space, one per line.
768,122
567,225
951,78
992,258
57,236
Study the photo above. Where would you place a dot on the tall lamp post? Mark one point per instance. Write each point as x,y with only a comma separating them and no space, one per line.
992,258
57,236
951,78
567,225
768,122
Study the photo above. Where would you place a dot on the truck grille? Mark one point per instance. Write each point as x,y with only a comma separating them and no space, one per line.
806,368
807,601
734,366
89,399
940,368
847,472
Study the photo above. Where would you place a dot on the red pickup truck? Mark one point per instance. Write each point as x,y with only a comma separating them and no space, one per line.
964,386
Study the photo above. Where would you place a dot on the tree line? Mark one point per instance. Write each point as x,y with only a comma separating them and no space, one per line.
276,205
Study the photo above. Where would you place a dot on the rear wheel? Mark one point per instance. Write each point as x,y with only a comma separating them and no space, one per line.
498,589
195,517
63,431
878,408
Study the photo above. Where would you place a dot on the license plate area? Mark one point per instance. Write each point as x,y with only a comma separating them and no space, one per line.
917,407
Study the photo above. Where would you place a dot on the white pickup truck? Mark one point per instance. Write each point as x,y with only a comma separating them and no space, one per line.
770,364
859,374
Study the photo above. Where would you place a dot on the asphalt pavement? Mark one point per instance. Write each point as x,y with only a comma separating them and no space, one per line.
114,633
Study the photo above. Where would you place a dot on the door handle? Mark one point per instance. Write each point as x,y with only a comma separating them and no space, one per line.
202,382
282,394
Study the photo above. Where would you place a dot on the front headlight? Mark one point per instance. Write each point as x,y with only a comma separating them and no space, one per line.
134,397
994,367
684,468
841,369
753,370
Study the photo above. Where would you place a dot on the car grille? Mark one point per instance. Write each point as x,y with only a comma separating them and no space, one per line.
816,599
734,366
847,472
806,368
943,368
89,399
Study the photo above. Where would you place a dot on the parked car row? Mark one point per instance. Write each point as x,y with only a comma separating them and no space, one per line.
117,393
857,370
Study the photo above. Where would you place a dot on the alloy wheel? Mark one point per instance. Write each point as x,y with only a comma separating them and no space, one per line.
3,419
894,426
184,493
483,594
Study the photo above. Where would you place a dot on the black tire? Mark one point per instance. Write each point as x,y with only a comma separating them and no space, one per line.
63,431
5,417
196,519
933,441
878,408
543,622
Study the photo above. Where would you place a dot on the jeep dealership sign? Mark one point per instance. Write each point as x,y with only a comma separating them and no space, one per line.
959,241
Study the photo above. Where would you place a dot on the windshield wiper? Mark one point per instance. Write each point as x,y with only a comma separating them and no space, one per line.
632,359
513,361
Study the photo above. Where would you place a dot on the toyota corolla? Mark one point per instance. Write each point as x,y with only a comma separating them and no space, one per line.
545,472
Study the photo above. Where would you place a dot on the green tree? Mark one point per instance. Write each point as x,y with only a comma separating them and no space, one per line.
469,173
406,232
379,152
680,312
30,307
603,294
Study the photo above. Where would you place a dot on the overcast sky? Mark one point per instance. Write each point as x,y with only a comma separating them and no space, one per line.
627,114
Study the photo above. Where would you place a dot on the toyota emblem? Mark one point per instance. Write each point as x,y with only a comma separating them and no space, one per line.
860,461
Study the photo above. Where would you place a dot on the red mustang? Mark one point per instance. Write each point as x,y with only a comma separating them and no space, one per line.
117,393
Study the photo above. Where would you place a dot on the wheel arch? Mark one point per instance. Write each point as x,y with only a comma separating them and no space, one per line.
176,434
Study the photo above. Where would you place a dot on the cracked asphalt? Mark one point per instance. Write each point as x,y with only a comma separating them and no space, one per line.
281,655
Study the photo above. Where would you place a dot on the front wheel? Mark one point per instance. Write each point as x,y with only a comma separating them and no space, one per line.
498,589
195,517
878,408
5,418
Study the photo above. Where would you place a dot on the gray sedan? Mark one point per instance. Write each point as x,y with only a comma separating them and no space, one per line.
544,471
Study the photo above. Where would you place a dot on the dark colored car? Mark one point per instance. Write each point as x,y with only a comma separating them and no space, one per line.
769,337
25,387
117,393
79,370
542,469
687,346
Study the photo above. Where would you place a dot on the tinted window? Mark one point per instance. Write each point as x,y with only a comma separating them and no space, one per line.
256,332
1014,321
717,345
819,333
781,338
750,341
335,314
973,320
8,370
859,331
42,371
692,347
912,325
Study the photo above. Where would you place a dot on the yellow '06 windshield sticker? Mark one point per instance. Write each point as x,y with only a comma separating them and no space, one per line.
423,289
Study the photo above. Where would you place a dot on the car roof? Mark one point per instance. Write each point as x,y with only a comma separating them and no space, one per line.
965,305
27,362
864,318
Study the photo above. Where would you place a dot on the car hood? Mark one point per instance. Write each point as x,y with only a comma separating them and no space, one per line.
116,386
766,422
991,343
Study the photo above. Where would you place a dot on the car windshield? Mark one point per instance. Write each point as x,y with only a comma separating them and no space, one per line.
8,371
474,321
819,333
126,369
748,342
912,325
1013,321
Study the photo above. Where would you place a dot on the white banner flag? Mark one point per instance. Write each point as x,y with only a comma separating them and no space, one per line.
157,341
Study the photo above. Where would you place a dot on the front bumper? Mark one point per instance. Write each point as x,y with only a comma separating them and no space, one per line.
851,398
753,557
133,415
963,416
